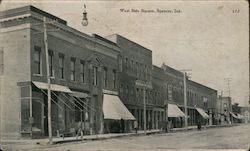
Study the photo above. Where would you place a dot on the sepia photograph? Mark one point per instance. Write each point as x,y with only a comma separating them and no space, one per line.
107,75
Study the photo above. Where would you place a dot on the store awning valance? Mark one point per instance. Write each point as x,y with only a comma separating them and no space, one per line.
233,115
79,94
113,108
202,113
53,87
174,111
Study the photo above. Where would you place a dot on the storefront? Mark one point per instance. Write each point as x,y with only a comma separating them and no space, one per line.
117,117
202,116
69,109
175,116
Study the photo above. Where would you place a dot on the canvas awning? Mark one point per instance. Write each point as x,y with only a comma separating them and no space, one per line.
240,116
233,115
174,111
79,94
202,113
113,108
53,87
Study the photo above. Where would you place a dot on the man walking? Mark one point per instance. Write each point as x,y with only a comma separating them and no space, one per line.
135,126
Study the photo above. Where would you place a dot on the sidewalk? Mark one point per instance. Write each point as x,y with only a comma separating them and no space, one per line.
58,140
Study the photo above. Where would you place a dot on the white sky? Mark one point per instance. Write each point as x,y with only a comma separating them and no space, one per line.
206,37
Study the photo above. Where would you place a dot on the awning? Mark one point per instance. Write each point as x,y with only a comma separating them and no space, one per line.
174,111
202,113
53,87
114,109
79,94
233,115
240,116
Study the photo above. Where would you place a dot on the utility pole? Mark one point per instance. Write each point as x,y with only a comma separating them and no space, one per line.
45,38
144,110
185,97
228,81
48,78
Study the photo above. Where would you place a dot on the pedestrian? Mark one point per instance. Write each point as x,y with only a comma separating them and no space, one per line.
135,126
199,125
150,125
122,125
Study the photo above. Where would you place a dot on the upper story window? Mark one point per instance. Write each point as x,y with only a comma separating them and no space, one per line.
121,88
61,66
82,75
105,77
37,60
126,62
132,66
114,78
205,100
95,77
51,70
73,69
170,93
1,61
140,70
136,68
120,64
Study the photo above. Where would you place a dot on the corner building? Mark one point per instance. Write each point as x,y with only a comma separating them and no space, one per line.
82,68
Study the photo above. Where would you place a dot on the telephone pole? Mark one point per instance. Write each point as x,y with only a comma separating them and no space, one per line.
185,96
48,77
228,82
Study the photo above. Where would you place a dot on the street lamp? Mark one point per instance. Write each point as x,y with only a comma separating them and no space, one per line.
84,17
45,38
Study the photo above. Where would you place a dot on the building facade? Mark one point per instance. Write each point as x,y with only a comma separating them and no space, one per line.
95,81
201,100
135,80
224,109
82,68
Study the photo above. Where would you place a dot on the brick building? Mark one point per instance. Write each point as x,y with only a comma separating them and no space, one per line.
83,70
94,80
201,100
136,68
224,109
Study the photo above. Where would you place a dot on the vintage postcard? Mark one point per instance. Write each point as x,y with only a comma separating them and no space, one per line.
124,75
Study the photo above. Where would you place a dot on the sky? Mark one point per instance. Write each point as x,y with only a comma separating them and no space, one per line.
209,37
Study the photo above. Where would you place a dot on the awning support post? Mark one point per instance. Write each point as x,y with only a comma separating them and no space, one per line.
81,127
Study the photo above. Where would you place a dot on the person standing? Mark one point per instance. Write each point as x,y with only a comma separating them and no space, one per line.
135,126
122,125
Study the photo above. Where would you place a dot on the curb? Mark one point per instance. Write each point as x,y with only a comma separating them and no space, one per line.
104,138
